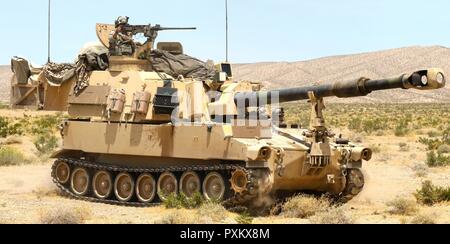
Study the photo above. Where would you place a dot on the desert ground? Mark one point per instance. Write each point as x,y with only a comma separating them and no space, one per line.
397,171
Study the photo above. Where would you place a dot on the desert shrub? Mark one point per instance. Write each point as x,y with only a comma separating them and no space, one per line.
333,216
10,156
402,206
433,133
423,219
207,213
303,206
180,201
402,128
404,147
421,170
355,124
65,216
210,213
4,105
8,128
176,218
432,144
430,194
45,124
443,149
375,148
437,160
45,143
244,219
436,143
4,123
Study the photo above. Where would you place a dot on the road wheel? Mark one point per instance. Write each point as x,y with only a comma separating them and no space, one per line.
167,185
80,182
102,185
146,188
190,184
214,187
62,173
124,187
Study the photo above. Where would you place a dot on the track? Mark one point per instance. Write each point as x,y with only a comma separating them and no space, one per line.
225,170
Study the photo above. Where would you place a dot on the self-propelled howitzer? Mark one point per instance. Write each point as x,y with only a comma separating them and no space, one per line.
136,134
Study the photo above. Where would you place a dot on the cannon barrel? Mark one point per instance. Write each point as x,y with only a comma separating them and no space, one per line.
422,80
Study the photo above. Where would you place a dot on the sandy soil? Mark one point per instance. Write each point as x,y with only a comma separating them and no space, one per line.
26,192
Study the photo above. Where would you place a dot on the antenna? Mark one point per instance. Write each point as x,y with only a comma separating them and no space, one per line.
49,30
226,28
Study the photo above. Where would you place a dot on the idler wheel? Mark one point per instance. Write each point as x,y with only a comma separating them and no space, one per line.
102,184
167,185
355,185
80,182
124,187
239,181
214,187
146,188
62,173
190,184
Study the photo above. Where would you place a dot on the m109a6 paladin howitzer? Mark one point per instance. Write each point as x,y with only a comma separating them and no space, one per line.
137,135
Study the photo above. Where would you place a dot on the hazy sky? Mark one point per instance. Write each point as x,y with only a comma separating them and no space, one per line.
260,30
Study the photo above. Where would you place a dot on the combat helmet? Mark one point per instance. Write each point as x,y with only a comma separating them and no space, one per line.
122,20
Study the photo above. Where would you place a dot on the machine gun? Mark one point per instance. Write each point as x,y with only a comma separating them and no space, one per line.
151,32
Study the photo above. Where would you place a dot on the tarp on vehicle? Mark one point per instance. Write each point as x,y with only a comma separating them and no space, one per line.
90,58
21,69
181,64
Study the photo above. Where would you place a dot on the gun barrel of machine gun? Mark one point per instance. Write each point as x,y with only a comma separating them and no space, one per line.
158,28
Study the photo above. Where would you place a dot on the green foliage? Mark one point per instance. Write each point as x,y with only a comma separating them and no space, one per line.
402,129
46,143
4,123
10,156
45,124
437,160
431,143
7,127
399,119
37,126
430,194
180,201
355,124
435,143
245,219
4,105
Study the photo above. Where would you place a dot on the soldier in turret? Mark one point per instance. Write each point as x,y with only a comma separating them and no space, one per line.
120,40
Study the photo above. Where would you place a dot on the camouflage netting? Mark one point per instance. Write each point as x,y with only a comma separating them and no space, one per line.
176,65
91,58
95,57
57,74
